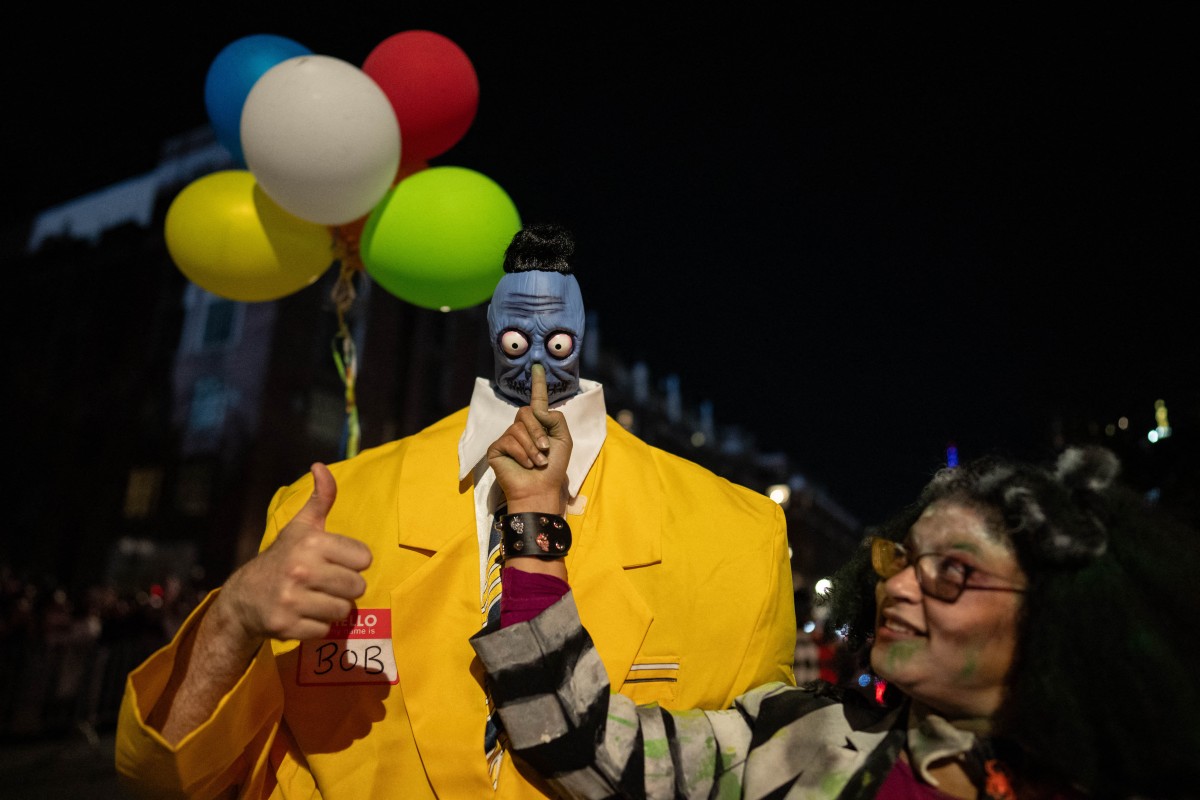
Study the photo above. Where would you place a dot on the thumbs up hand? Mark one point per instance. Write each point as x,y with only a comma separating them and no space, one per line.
306,579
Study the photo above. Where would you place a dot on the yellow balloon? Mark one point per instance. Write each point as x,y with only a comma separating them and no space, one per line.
228,237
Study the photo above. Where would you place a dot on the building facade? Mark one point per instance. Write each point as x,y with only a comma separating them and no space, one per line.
162,418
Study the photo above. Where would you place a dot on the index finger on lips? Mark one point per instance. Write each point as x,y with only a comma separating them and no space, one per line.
538,394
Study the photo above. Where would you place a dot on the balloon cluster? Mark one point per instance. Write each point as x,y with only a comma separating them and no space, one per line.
333,165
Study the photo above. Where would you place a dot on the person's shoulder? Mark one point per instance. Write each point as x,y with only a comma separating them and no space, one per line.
449,425
787,702
435,442
689,487
382,462
618,436
843,707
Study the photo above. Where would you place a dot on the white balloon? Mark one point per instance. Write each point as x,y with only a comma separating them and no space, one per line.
321,138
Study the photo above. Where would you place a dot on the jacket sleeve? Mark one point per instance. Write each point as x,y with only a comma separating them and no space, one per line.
221,753
772,650
560,715
230,750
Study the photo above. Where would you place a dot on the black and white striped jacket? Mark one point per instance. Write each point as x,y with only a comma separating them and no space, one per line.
778,741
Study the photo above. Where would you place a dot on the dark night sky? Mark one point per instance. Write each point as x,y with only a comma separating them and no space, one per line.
861,235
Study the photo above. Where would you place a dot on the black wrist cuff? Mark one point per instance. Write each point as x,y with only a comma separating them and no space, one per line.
530,534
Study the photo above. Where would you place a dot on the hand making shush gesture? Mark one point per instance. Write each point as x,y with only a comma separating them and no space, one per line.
530,458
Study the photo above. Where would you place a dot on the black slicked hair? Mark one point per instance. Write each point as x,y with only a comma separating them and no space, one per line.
543,247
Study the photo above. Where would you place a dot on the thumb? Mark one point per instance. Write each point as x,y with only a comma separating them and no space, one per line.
324,493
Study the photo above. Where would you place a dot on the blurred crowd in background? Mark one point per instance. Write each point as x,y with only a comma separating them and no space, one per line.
64,656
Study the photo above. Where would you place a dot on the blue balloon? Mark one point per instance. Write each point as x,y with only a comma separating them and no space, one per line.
233,74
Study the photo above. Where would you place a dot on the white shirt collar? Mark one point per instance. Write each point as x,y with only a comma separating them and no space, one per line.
932,737
490,413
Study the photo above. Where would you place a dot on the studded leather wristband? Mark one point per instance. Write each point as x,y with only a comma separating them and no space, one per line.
533,534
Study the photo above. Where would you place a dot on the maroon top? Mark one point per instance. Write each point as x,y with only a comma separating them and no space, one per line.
902,784
527,594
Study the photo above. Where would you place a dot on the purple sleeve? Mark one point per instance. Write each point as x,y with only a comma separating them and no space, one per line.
527,594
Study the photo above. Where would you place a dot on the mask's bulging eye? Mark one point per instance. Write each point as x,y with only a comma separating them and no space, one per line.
560,345
513,344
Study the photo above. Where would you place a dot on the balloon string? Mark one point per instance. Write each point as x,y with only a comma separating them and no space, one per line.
345,245
345,355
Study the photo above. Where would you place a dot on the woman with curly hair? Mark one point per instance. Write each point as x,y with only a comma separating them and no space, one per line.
1030,624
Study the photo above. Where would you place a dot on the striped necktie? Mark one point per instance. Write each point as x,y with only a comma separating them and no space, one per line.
490,606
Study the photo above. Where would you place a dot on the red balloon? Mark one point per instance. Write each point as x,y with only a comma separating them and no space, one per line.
433,88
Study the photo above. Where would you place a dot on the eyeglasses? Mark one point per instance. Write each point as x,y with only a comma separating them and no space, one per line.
940,576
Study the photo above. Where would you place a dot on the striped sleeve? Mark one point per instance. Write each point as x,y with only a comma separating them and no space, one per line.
560,715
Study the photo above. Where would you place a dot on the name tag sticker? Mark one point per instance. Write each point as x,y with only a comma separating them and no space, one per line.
357,649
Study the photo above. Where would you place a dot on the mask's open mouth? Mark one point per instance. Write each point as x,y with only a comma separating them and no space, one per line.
523,387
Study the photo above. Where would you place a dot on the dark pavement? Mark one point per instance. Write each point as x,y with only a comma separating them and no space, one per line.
58,767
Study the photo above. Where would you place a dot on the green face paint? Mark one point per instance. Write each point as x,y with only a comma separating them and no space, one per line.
970,664
900,653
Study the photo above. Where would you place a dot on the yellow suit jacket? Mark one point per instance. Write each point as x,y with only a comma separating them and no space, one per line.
682,578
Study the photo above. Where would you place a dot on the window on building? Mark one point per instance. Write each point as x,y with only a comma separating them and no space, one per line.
142,492
219,322
193,495
211,322
208,404
326,415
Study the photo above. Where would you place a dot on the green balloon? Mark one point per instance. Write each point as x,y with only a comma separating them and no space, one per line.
437,238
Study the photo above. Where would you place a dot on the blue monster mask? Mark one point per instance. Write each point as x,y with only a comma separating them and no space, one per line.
536,316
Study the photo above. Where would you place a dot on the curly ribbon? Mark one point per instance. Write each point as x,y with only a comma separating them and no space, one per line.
345,355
